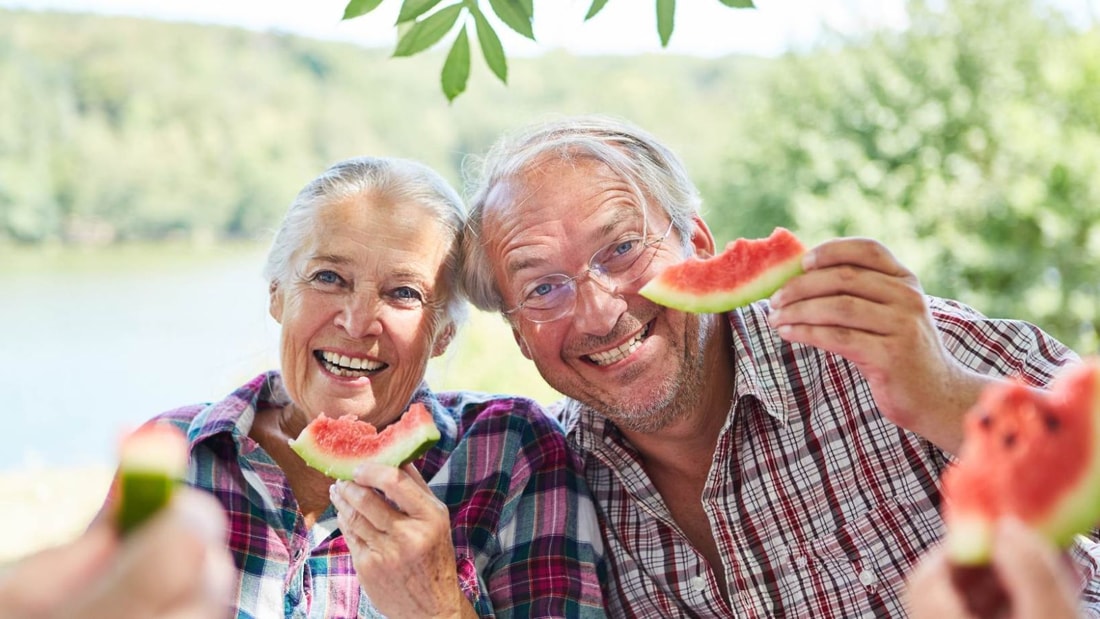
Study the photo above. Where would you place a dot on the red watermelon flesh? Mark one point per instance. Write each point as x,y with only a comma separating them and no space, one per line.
747,271
1030,454
336,446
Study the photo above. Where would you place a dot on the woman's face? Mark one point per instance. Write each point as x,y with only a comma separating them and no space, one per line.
361,309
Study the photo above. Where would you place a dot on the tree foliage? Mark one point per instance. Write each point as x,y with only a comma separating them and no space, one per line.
969,143
421,29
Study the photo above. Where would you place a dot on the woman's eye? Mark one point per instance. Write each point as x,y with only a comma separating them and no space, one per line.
406,293
327,277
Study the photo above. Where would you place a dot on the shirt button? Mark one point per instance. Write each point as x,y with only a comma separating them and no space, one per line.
867,577
698,583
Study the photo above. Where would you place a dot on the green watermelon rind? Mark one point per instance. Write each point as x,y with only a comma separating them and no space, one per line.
152,463
969,538
420,439
759,288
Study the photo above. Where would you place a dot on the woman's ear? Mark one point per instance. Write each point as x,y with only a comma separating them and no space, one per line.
443,340
275,302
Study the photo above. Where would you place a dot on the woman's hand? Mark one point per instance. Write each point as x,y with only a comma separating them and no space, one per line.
1028,579
400,543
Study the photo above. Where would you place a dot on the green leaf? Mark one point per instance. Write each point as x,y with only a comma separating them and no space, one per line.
528,8
490,46
355,8
597,6
666,15
412,9
456,69
516,14
428,31
738,4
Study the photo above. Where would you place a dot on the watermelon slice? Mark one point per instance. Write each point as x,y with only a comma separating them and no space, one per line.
152,461
336,446
1033,455
747,271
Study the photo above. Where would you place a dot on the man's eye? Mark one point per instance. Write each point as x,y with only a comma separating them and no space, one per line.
624,248
541,290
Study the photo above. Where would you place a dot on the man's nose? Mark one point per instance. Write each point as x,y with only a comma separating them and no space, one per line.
598,307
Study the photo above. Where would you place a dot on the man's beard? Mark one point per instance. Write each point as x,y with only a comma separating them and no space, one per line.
677,395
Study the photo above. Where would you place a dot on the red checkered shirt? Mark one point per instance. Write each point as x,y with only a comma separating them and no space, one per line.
819,505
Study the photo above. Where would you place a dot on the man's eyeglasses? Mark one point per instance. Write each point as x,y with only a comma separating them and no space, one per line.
615,265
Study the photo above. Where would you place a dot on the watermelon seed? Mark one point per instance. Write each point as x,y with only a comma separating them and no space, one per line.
986,421
1010,439
1052,422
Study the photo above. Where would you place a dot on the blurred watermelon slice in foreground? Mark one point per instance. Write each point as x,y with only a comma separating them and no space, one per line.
152,460
337,446
1031,454
747,271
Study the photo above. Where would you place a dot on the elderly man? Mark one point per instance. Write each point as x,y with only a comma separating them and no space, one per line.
779,460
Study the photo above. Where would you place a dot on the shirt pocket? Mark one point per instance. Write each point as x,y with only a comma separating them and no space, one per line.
860,568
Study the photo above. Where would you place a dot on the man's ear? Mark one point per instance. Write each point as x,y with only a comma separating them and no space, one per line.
701,238
275,302
522,344
443,340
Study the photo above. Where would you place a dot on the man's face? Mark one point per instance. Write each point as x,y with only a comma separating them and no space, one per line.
634,361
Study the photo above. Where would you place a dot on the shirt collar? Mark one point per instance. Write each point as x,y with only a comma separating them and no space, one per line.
761,359
234,415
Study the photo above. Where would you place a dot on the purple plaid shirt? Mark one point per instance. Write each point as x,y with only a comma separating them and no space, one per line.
819,505
525,532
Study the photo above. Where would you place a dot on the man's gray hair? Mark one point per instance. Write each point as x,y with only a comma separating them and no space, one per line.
650,169
386,178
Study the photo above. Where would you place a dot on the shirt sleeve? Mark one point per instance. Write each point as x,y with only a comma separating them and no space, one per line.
996,347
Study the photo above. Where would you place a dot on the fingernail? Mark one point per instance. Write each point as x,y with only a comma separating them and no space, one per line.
776,299
808,260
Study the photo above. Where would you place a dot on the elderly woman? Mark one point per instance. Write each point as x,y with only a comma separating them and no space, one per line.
493,520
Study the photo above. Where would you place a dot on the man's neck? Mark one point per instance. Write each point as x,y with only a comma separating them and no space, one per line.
687,445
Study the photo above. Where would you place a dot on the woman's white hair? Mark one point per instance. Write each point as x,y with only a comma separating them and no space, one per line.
386,178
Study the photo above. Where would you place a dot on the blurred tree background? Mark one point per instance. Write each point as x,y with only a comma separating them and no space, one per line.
969,143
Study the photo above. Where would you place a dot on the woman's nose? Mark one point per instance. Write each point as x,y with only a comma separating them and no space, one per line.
361,315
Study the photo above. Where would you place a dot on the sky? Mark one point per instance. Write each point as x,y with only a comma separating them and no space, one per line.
702,28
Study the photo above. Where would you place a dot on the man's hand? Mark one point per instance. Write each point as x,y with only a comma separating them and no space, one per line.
856,300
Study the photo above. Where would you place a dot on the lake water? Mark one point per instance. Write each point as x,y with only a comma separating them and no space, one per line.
93,343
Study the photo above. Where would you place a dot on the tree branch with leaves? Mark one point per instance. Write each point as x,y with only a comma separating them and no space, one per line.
419,28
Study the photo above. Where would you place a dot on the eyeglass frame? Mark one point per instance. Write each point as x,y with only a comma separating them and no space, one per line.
594,271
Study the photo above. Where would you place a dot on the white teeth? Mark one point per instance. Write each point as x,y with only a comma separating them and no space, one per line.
620,352
342,365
